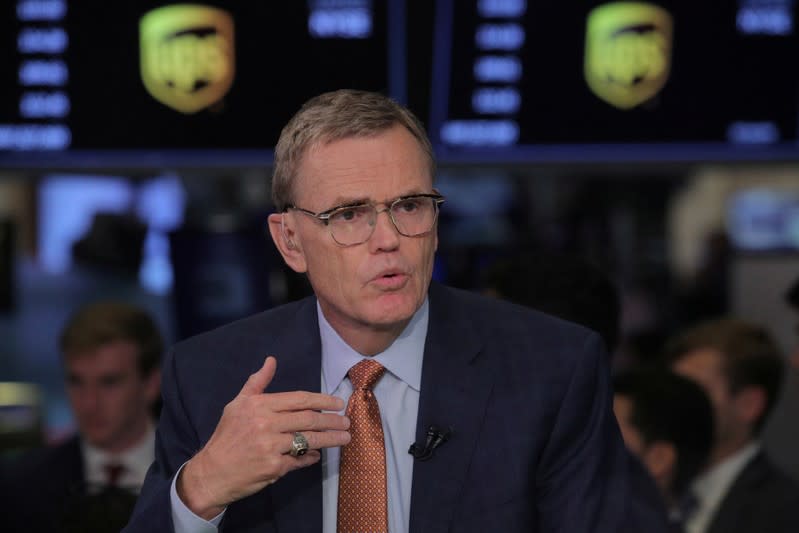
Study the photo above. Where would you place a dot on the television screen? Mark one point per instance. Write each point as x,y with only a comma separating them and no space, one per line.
140,83
764,220
674,80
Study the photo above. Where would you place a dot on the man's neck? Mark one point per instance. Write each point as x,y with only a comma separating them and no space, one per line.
371,343
725,450
133,439
366,339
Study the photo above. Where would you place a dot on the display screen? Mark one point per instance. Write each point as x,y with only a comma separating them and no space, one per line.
764,220
141,82
535,80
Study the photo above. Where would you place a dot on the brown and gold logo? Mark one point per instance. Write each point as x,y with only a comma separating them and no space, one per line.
627,52
187,55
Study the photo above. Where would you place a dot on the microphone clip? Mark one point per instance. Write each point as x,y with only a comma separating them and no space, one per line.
435,437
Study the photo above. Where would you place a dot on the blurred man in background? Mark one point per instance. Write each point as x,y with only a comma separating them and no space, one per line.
740,367
111,354
667,422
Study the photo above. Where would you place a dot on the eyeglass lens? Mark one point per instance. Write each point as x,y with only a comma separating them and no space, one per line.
411,216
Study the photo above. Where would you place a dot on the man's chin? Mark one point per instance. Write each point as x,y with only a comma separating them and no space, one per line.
98,439
393,312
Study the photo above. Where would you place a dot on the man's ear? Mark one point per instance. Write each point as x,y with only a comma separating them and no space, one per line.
750,404
285,238
660,458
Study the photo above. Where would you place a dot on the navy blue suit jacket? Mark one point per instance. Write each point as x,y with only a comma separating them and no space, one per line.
535,446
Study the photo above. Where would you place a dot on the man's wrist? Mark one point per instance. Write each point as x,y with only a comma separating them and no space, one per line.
194,493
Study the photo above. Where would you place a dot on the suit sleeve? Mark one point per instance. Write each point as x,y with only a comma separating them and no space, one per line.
582,479
176,441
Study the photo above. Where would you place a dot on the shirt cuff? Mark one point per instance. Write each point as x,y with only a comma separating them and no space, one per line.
184,520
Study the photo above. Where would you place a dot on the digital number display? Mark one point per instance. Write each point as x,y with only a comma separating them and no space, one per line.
527,80
150,82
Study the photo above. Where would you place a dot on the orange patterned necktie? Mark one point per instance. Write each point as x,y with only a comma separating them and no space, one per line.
362,501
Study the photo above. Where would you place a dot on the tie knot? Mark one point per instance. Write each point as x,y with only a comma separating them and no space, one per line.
365,374
113,472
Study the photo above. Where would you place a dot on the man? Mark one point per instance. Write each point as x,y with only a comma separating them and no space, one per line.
740,367
111,353
667,422
510,410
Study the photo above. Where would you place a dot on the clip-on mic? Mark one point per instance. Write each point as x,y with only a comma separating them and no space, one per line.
435,438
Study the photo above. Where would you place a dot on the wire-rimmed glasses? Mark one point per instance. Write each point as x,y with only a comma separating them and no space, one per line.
412,216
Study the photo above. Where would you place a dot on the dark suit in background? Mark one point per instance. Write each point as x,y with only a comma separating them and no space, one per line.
534,441
762,499
45,491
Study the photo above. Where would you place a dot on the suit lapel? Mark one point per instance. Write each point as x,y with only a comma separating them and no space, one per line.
297,497
455,390
734,511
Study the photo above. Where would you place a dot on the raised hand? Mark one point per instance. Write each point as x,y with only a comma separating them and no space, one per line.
249,448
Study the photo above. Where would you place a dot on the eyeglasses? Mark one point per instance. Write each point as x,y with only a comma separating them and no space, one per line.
349,225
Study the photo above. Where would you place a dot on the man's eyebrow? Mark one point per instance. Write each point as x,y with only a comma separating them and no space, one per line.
348,202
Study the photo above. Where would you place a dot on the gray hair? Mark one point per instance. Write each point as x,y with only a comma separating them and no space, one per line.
334,116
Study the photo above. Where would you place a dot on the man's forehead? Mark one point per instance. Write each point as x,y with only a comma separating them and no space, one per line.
702,362
351,175
112,354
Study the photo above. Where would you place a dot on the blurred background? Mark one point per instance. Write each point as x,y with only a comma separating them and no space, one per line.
136,147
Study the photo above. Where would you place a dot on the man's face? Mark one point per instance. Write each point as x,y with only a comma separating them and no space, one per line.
706,367
379,284
659,457
109,397
623,409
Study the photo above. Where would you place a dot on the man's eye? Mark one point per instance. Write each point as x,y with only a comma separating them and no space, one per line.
408,206
349,214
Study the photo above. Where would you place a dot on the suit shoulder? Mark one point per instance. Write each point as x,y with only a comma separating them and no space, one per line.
245,330
768,479
494,316
48,462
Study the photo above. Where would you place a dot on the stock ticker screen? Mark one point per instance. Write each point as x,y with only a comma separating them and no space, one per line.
527,80
153,83
145,81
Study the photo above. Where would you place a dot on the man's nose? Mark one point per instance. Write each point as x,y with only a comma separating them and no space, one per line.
88,399
385,235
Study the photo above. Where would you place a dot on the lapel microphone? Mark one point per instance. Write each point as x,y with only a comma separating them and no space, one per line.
435,437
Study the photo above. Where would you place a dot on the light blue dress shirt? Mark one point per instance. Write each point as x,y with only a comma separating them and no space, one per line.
397,395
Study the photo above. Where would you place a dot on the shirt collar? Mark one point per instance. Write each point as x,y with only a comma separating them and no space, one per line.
137,458
711,486
403,358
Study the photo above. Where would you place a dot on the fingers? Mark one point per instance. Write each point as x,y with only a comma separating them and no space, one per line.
301,400
319,439
308,421
257,382
308,459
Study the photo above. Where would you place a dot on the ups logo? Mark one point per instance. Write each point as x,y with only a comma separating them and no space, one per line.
627,52
187,55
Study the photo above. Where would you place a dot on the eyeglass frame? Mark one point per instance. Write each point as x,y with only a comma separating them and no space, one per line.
324,216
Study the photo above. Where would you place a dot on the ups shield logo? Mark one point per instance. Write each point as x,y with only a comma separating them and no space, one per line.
627,52
187,55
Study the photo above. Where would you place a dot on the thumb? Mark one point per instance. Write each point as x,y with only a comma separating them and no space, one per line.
257,382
